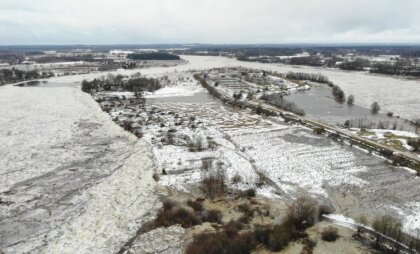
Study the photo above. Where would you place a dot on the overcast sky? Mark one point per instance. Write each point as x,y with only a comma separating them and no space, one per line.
208,21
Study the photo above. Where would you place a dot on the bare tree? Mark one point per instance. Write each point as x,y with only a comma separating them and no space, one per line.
350,100
374,108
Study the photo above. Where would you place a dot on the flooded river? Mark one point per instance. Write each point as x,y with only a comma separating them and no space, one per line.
73,181
319,104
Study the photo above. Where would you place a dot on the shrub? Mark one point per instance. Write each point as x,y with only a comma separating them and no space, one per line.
280,236
330,234
262,234
213,183
246,208
127,126
415,143
309,246
168,204
232,228
250,193
156,177
260,182
338,94
374,108
347,123
324,209
176,215
213,216
245,218
197,206
243,243
236,178
221,242
350,100
302,213
319,131
387,225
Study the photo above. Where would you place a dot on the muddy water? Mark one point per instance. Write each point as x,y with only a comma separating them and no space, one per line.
319,104
395,94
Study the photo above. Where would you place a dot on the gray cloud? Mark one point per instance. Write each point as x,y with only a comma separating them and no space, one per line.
212,21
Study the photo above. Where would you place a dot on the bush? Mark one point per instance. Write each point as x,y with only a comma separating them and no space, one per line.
197,206
338,94
221,242
250,193
350,100
245,218
262,234
156,177
387,225
237,178
232,228
213,183
280,236
415,143
330,234
324,209
260,182
176,215
213,216
168,204
302,213
374,108
319,131
309,246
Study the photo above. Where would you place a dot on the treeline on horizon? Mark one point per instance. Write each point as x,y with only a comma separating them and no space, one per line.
328,51
153,56
403,66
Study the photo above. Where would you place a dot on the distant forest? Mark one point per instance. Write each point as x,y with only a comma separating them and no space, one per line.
153,56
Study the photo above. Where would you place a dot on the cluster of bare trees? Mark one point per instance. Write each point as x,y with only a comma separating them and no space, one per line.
136,84
392,227
338,94
213,178
319,78
16,75
279,101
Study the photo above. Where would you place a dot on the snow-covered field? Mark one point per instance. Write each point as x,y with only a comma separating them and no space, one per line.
71,180
296,161
394,138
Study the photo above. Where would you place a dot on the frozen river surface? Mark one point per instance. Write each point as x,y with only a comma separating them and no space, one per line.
71,181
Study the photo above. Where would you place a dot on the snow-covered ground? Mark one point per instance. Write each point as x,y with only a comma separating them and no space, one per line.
388,137
296,161
71,180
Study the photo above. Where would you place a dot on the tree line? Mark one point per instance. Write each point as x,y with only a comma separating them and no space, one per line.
153,56
16,75
137,84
